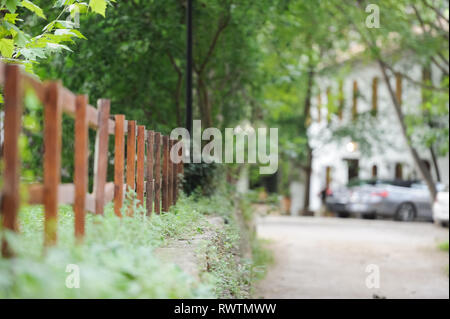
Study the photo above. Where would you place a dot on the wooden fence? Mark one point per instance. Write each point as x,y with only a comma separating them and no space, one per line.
148,166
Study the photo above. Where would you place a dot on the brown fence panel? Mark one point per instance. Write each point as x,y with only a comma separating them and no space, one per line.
131,154
157,172
101,155
165,175
52,160
170,175
149,171
140,173
81,165
119,163
180,171
12,123
174,180
131,157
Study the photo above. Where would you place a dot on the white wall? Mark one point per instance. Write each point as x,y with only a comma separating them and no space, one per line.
333,153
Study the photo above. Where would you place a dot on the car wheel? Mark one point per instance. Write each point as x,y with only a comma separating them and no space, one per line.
405,212
343,215
370,216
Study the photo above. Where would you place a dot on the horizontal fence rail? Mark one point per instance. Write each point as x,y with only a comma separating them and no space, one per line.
140,163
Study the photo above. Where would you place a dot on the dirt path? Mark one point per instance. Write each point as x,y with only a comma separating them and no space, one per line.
327,258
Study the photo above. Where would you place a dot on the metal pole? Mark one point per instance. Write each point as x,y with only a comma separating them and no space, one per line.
189,67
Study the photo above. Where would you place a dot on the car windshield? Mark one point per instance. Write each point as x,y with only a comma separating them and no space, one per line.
361,182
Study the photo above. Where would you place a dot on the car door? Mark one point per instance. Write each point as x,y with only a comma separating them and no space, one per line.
420,196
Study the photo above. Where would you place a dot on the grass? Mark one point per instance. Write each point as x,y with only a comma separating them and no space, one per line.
116,259
443,246
262,258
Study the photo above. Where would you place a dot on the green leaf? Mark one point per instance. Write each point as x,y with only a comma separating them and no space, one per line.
11,17
98,6
6,47
11,5
33,8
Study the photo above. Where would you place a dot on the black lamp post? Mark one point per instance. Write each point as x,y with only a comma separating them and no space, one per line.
189,66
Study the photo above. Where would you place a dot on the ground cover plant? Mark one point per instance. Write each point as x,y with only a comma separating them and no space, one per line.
117,260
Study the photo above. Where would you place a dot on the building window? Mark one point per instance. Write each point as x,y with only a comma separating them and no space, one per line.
399,171
355,100
374,171
375,96
353,169
327,176
426,94
341,99
329,105
319,107
398,87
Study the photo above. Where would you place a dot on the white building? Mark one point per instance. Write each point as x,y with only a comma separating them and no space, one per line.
335,162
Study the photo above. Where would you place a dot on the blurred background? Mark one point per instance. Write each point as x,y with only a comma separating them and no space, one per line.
358,91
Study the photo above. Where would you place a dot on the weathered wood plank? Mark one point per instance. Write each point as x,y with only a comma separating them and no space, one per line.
101,155
157,173
12,123
149,171
175,179
66,194
52,160
119,163
180,172
140,173
131,157
170,174
165,174
81,165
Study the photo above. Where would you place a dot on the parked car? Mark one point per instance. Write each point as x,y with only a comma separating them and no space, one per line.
402,200
337,200
440,207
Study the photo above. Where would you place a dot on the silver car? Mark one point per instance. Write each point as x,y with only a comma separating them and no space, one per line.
339,199
402,200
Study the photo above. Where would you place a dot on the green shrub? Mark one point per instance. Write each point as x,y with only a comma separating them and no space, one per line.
116,259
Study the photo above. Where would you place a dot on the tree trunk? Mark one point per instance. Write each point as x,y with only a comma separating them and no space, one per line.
435,163
308,171
308,168
424,172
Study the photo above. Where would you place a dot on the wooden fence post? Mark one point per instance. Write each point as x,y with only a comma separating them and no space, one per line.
157,172
170,175
149,172
180,171
52,160
131,158
101,155
140,164
81,165
165,175
175,180
12,123
119,159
